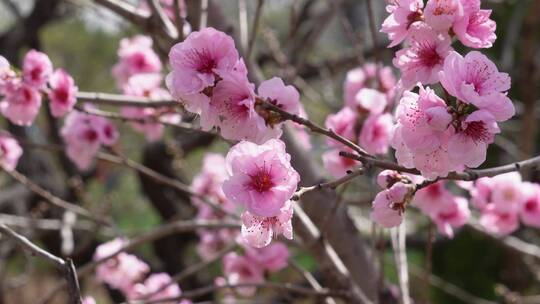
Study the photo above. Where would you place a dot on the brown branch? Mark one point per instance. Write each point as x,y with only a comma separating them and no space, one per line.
329,185
161,19
192,294
310,279
310,125
143,120
255,28
124,100
467,175
65,266
147,237
54,200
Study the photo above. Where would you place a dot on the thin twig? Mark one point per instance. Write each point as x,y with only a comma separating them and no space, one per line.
243,20
400,256
329,185
467,175
158,233
124,100
141,120
254,28
53,199
193,269
310,125
161,18
310,279
204,14
65,266
308,292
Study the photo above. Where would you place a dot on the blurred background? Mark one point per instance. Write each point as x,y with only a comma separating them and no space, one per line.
83,38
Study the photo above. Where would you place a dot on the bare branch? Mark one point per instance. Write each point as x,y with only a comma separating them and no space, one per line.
66,266
467,175
329,185
269,285
55,200
254,28
310,125
123,100
161,18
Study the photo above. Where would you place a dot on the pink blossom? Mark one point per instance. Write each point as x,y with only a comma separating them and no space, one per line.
403,14
498,222
197,62
232,108
530,207
258,231
241,270
454,213
387,178
136,56
507,191
389,205
209,180
376,132
475,29
442,14
273,257
84,135
37,68
476,80
6,73
63,93
21,103
338,165
121,271
286,97
88,300
423,59
481,192
424,118
469,145
10,150
342,123
432,198
260,177
368,76
152,285
371,101
422,134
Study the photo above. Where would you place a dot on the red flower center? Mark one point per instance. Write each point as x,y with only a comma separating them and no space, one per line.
531,205
477,131
261,181
90,135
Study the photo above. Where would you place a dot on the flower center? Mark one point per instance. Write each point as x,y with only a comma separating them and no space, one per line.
90,135
531,206
261,181
202,61
428,55
477,131
61,95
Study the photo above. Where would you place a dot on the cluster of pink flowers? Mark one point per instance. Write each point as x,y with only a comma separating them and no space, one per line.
210,79
251,267
445,209
437,135
208,183
261,179
368,94
84,134
505,199
23,92
130,275
139,73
